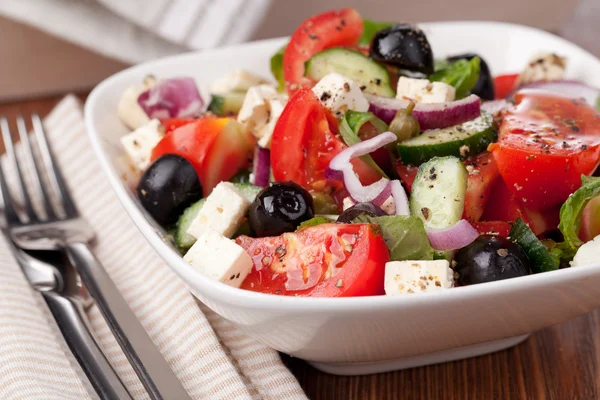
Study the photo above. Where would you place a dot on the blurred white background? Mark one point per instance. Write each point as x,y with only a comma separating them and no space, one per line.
54,46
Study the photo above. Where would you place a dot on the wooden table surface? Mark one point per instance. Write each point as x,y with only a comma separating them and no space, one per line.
561,362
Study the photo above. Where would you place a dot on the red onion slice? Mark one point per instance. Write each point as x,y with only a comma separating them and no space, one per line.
455,237
383,196
572,89
495,107
341,163
400,198
172,98
261,166
429,115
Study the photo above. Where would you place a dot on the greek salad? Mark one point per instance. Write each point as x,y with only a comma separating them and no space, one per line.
369,166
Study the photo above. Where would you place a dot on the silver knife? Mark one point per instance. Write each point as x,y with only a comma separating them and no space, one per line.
55,280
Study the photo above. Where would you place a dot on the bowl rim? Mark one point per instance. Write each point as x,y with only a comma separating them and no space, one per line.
240,298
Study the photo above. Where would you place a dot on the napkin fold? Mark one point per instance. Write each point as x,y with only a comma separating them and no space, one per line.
134,31
211,357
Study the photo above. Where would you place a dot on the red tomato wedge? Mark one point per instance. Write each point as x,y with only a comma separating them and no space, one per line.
217,148
329,260
503,206
304,142
330,29
173,123
546,143
483,173
407,174
504,84
501,228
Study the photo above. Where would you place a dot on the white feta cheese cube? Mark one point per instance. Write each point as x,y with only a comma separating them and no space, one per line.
417,276
588,253
264,133
347,203
260,111
389,206
128,109
255,109
340,94
239,80
222,212
423,91
219,258
139,144
543,66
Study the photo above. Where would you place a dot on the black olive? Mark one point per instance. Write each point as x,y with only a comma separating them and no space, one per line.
404,46
490,258
168,187
348,215
280,208
484,87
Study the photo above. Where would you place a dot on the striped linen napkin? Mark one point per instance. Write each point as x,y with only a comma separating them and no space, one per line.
211,357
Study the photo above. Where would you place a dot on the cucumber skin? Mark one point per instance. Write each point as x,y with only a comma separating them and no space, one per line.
182,239
477,143
539,257
227,104
425,196
382,89
248,190
185,241
277,68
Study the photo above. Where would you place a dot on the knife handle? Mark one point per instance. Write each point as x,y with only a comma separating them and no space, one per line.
75,329
145,358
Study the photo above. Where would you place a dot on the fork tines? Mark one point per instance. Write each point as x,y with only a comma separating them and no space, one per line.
36,166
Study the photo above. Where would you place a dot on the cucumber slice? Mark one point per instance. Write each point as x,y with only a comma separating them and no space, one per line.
538,254
185,241
464,140
226,104
248,190
182,239
277,68
438,192
361,69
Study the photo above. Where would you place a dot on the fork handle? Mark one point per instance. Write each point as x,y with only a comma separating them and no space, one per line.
147,361
76,331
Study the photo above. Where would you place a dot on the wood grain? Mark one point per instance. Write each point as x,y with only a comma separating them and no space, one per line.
558,363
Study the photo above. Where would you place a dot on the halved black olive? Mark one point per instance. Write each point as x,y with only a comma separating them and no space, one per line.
280,208
168,187
348,215
490,258
404,46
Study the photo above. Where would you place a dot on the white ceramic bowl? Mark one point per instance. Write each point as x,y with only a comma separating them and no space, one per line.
370,334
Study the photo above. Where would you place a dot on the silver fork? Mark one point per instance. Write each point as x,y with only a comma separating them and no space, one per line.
64,230
57,283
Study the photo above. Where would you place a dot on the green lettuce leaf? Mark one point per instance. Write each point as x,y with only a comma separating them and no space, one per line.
541,259
570,213
350,125
462,74
277,68
405,236
370,28
440,64
314,222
